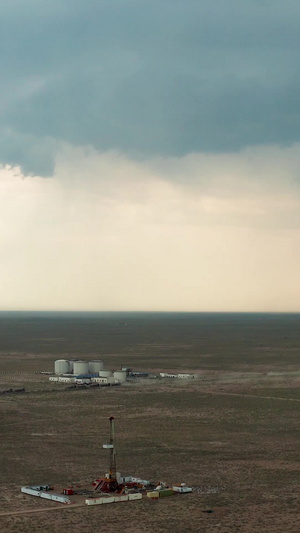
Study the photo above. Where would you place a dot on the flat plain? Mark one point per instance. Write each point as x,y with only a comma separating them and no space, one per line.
232,433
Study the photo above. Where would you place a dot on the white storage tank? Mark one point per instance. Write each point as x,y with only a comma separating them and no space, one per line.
105,373
61,366
71,363
120,375
80,368
95,366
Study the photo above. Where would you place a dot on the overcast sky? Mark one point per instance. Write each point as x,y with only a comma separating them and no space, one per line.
150,155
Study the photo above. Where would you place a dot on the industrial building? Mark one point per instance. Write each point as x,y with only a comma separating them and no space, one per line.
77,367
80,372
177,376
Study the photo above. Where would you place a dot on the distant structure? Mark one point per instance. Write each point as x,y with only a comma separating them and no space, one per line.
95,366
110,483
81,368
120,375
80,372
177,376
105,374
61,366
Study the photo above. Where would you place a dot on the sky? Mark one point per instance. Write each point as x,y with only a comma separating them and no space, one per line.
150,155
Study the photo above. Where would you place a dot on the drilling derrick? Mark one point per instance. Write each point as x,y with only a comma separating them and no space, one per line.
112,462
110,483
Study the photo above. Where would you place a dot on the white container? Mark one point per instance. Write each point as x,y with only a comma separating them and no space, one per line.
31,492
95,366
137,496
99,380
109,500
63,379
182,489
120,375
110,380
125,479
59,498
80,368
61,366
46,495
123,498
94,501
105,373
144,482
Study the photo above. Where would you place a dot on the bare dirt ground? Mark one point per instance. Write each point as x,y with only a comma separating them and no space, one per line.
232,434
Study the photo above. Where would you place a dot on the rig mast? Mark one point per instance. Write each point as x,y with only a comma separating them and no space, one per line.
112,462
110,483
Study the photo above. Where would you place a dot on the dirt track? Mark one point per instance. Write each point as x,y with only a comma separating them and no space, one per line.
216,393
43,510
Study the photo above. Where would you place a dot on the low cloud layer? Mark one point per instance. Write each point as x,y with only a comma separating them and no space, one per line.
147,78
149,155
196,233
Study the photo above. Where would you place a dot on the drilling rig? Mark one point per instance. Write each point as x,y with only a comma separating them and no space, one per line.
109,483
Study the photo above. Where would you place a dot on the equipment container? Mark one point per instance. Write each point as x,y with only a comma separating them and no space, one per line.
165,492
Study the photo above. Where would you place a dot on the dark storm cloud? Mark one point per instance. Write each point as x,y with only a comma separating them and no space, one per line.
147,77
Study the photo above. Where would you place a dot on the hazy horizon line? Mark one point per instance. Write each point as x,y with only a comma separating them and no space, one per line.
78,311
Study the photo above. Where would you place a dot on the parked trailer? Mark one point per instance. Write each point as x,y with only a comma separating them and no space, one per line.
30,491
113,499
182,489
60,499
99,501
93,501
46,495
33,491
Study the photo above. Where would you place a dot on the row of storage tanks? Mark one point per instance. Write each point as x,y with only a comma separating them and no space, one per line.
85,368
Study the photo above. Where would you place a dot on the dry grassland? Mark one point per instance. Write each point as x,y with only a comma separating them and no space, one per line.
233,435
